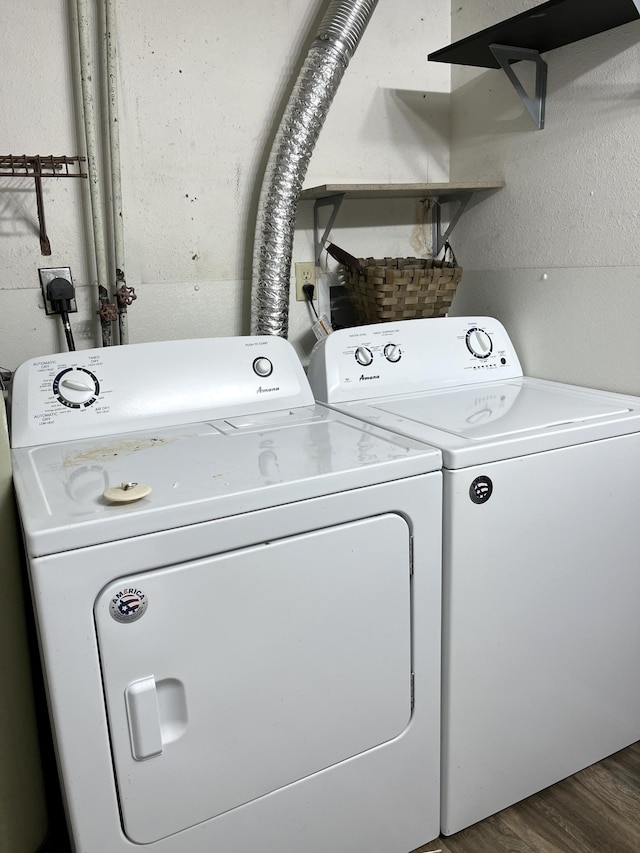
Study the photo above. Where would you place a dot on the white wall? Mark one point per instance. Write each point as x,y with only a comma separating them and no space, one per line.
202,87
556,254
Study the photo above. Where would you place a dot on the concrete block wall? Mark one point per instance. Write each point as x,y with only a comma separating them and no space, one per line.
202,86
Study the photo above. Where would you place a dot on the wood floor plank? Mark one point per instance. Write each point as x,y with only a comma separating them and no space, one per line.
577,820
535,834
489,836
618,789
548,820
626,762
437,846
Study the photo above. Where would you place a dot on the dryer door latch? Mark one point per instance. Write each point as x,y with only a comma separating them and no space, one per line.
144,720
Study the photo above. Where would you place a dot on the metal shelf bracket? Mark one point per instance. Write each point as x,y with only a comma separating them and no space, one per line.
506,56
439,239
334,202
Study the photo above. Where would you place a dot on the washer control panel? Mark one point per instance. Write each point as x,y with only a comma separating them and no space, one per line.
117,389
386,359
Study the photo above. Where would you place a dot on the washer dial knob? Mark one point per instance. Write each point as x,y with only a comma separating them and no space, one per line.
392,353
479,343
76,387
363,356
262,366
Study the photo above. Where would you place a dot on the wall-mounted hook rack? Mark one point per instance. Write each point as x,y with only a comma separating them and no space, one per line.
38,167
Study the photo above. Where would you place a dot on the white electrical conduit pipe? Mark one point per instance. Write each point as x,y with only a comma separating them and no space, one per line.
88,105
114,153
335,43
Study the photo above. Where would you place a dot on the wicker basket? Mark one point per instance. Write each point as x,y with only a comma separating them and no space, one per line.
401,288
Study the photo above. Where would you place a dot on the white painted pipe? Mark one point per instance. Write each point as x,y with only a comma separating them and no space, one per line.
114,153
89,120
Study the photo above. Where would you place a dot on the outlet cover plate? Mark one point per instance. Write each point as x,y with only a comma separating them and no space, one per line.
305,274
48,274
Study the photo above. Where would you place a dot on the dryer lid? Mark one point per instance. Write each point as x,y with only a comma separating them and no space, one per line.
201,472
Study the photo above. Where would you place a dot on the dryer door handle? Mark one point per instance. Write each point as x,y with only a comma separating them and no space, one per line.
141,700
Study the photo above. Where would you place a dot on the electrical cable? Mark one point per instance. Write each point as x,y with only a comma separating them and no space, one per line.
308,289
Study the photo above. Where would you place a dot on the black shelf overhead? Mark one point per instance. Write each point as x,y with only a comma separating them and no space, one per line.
540,29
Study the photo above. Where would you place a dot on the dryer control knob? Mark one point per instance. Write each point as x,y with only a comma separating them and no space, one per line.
363,356
76,387
262,366
479,343
392,353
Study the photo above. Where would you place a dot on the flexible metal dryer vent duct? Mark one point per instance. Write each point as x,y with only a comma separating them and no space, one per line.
323,69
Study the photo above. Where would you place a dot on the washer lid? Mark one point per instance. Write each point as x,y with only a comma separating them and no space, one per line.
486,412
488,422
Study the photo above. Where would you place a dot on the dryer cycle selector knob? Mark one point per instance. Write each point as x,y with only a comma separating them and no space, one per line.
479,343
392,353
76,387
262,366
363,356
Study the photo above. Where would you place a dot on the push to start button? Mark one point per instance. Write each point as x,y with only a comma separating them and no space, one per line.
480,490
262,366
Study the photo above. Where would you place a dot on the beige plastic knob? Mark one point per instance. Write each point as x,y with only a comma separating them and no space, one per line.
127,492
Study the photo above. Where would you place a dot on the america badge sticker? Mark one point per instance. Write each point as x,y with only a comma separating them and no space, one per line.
128,605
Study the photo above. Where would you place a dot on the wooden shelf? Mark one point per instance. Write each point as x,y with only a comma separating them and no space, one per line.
546,27
332,195
363,191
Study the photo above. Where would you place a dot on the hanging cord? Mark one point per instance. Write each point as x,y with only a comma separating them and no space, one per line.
321,322
308,289
60,293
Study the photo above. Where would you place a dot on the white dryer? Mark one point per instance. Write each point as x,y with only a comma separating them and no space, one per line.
237,596
541,549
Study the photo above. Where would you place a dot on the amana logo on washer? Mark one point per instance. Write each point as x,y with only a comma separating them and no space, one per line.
128,605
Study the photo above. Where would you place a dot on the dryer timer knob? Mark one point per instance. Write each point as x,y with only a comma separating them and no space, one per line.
76,387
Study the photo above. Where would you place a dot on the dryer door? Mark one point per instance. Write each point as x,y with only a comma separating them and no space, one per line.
230,677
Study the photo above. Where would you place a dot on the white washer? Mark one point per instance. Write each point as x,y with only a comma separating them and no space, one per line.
248,657
541,545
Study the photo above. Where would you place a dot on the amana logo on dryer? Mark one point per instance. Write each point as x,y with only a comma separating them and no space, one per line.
262,390
128,605
364,378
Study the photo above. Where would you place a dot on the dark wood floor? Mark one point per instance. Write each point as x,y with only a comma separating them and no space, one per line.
595,811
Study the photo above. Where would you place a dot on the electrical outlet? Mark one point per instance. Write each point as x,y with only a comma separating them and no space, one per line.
305,274
47,275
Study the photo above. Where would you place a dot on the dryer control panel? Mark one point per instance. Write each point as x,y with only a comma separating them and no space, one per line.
104,391
385,359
